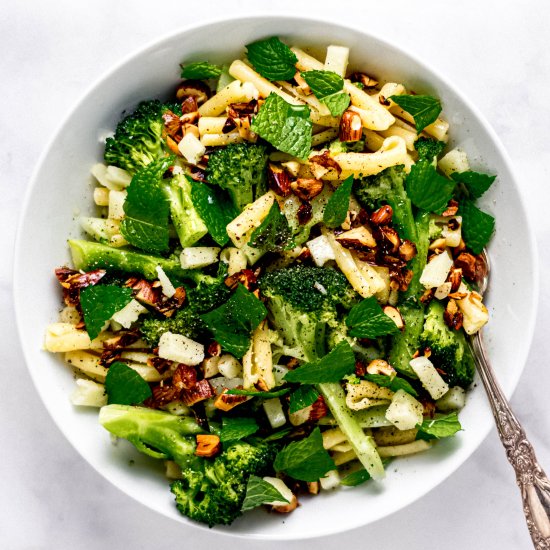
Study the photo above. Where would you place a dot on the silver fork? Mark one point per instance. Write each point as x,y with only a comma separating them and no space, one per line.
530,477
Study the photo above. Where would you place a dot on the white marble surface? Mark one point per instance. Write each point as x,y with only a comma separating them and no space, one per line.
495,52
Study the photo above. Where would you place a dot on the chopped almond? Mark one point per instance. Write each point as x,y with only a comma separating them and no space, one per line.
208,445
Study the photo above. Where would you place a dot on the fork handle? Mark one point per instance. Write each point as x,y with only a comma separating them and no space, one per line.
531,479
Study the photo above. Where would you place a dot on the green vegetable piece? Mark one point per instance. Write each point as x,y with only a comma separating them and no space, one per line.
235,428
99,303
394,384
476,182
428,148
200,70
427,189
327,86
215,209
272,58
232,323
273,234
287,127
124,386
356,478
330,368
260,492
146,209
260,394
367,320
303,397
439,427
477,226
423,108
305,460
280,434
338,204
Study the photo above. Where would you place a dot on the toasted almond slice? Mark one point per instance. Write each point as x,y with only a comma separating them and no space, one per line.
358,236
395,315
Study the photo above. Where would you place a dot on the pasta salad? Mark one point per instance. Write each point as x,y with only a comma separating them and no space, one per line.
278,281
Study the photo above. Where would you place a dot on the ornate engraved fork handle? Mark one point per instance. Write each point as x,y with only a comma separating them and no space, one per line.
531,479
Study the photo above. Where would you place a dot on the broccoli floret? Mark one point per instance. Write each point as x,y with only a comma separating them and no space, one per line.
338,146
138,138
240,169
429,148
449,348
211,490
435,230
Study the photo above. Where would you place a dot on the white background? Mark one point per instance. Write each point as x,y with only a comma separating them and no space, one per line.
51,52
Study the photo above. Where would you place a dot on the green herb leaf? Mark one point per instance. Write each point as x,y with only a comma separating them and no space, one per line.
367,320
272,58
261,394
327,86
235,428
200,70
99,303
427,189
356,478
477,226
124,386
423,108
476,182
303,397
428,148
232,323
146,209
337,207
215,209
438,427
306,460
275,436
260,492
274,233
394,384
287,127
330,368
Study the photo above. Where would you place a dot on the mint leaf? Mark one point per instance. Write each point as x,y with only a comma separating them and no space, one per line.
274,233
200,70
477,226
367,320
100,303
423,108
306,460
337,206
272,58
232,323
261,394
235,428
287,127
275,436
146,209
124,386
356,478
427,189
303,397
331,368
438,427
476,182
260,492
327,86
394,384
215,209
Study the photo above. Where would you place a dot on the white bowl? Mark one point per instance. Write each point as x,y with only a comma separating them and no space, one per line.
62,186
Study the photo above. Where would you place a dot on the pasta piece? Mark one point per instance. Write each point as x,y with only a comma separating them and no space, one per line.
387,90
211,125
402,450
437,129
393,436
366,394
70,314
235,92
88,364
333,437
258,362
324,136
342,458
324,120
116,204
101,196
99,228
62,337
243,73
409,137
311,100
392,152
373,140
217,140
337,60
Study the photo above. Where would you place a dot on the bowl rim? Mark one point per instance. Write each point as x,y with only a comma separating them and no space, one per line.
253,17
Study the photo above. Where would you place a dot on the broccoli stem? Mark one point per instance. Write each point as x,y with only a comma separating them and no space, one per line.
155,433
89,255
363,445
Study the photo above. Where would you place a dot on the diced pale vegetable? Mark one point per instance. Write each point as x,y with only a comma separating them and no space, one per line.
88,394
116,204
99,171
320,249
280,485
177,408
181,349
437,270
235,258
101,196
474,311
455,160
404,412
258,360
129,313
99,228
333,437
229,366
337,60
429,377
274,412
453,400
167,287
173,471
191,148
402,450
221,382
453,236
330,480
195,257
210,367
70,314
